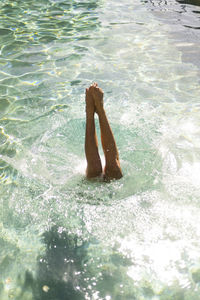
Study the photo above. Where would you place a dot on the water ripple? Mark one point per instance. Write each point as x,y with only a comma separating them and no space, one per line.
137,238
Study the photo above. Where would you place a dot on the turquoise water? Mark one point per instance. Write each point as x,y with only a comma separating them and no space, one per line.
61,236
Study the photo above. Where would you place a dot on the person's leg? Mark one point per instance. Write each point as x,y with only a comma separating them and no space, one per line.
94,167
112,167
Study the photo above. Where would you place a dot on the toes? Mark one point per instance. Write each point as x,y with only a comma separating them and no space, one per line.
95,85
94,89
91,88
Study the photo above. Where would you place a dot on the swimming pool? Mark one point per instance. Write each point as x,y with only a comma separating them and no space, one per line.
61,236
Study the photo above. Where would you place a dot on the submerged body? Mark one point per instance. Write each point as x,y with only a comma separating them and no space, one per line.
112,170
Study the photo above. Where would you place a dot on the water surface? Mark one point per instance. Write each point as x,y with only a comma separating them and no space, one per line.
61,236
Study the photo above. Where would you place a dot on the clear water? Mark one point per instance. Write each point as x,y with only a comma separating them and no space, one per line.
61,236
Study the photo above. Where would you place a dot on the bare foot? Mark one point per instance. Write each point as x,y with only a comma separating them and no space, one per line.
90,108
97,94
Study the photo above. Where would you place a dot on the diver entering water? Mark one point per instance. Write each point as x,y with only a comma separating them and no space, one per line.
112,170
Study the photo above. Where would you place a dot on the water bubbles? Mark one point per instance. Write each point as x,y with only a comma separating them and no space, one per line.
125,239
45,288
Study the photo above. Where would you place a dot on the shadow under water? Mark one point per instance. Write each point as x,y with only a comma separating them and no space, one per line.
60,269
68,270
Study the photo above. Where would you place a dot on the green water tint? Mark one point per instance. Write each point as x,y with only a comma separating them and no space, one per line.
61,236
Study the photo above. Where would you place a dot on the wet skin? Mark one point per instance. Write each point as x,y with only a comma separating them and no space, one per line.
112,170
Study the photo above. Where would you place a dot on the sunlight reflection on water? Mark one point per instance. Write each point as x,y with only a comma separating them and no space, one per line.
63,237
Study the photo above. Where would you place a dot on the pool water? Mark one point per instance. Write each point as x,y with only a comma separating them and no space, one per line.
63,237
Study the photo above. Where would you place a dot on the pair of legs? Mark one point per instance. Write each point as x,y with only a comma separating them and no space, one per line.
94,104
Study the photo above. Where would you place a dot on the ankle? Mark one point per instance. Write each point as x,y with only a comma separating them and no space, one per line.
100,111
89,114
